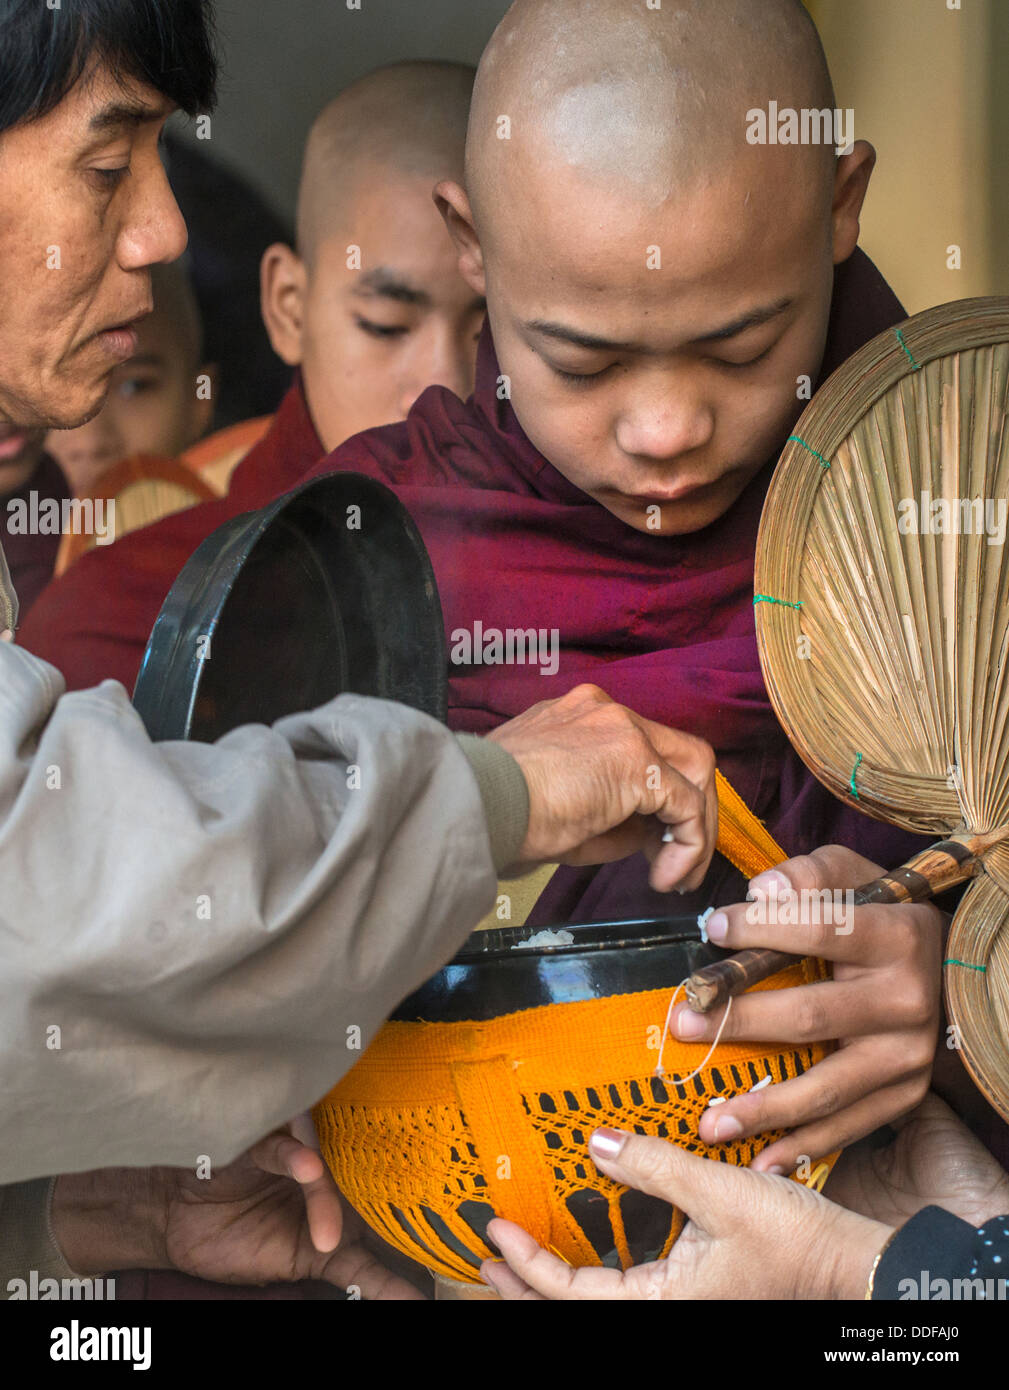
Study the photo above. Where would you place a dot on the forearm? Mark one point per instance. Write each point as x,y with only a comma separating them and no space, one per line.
107,1220
198,941
79,1225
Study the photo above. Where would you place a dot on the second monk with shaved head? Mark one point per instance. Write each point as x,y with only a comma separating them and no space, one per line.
661,295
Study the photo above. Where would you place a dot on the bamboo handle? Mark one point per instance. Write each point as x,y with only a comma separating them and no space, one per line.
718,983
935,869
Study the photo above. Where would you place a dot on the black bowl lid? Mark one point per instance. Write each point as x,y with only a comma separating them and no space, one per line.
327,590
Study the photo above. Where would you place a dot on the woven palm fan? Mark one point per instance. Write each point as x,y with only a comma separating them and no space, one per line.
882,612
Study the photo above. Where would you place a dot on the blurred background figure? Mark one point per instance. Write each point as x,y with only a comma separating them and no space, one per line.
160,402
230,226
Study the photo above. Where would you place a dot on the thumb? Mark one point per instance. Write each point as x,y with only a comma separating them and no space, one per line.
708,1192
830,866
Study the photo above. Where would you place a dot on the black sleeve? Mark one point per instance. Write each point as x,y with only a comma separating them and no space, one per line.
935,1249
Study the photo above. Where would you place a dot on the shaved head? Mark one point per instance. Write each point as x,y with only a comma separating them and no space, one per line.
407,119
658,269
651,100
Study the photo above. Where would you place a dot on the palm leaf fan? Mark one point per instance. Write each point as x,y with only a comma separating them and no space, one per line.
882,613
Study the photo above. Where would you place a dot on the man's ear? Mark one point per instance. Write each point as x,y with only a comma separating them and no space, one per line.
283,280
851,183
452,202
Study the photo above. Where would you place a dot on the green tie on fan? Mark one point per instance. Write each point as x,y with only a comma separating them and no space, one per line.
882,613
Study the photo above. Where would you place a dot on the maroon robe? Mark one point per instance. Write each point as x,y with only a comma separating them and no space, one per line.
93,622
32,558
663,624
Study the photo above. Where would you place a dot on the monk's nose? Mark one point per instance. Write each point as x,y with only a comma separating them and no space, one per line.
664,431
446,362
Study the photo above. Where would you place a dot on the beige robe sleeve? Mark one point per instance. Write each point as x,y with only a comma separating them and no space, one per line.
196,941
26,1239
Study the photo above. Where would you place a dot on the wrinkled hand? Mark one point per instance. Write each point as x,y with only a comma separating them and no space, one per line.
273,1215
604,782
882,1006
750,1235
933,1160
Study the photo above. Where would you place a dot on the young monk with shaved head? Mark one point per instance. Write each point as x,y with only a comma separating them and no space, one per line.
657,285
371,305
660,292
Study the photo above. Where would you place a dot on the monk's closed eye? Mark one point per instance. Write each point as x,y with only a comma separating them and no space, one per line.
740,366
136,385
381,330
581,379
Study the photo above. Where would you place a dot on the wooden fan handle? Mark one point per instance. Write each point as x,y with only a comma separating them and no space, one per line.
717,984
927,874
935,869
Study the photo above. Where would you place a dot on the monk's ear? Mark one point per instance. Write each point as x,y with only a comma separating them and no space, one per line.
283,280
452,202
851,183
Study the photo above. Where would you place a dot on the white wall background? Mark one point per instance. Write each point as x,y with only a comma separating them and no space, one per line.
284,59
929,88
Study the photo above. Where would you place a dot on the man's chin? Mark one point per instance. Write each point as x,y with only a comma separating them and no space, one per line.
74,403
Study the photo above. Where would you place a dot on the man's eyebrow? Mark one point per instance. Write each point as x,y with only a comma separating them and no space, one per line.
117,114
391,285
751,320
589,341
571,335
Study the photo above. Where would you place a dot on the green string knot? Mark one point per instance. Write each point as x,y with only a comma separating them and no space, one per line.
795,439
781,602
907,350
858,764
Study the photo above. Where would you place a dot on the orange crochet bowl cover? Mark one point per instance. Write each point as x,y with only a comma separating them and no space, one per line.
444,1124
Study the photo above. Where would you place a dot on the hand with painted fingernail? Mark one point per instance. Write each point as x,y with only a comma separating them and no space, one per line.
748,1235
881,1007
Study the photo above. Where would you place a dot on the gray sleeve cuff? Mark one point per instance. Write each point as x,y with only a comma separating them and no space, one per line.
504,794
26,1239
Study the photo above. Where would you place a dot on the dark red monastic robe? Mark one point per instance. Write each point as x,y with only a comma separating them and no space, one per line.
663,624
31,554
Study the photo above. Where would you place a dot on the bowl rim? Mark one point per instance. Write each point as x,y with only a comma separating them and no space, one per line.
496,943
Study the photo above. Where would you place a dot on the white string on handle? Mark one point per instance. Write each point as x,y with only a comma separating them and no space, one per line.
679,1080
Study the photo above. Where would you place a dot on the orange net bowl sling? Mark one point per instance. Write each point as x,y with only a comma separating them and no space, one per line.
478,1097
